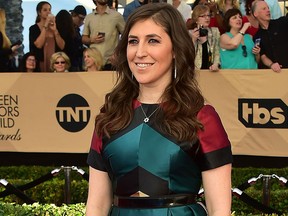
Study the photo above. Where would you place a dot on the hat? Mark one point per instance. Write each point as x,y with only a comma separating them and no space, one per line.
79,9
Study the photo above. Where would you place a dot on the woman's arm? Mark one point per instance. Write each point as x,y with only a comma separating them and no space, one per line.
229,43
100,193
217,189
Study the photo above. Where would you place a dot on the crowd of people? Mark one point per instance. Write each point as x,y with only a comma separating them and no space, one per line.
227,34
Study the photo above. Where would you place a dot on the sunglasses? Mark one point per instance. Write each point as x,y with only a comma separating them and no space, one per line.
244,53
60,62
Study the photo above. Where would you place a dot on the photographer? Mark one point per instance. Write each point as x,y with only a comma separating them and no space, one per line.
205,39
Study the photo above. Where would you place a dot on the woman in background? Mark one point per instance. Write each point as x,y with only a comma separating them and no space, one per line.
66,30
60,62
93,60
44,38
6,50
237,48
205,39
225,5
29,63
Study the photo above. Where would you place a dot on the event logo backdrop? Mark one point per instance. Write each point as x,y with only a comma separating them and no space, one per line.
73,113
55,112
263,113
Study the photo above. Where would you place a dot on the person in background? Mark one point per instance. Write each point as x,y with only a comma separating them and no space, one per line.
101,30
60,62
44,38
216,19
238,50
250,18
275,10
205,39
129,8
78,15
182,7
6,49
93,60
155,141
225,5
273,35
29,63
66,30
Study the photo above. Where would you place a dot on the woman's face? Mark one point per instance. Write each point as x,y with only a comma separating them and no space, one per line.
30,63
89,61
150,54
235,22
204,19
60,64
45,10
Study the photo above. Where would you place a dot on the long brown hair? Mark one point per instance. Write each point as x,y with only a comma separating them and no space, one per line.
6,41
183,96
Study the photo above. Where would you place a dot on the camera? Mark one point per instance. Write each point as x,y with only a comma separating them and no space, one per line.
203,31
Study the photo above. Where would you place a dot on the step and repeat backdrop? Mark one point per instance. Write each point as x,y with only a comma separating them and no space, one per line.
55,112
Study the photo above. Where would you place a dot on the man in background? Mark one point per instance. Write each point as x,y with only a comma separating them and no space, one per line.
78,15
273,35
101,30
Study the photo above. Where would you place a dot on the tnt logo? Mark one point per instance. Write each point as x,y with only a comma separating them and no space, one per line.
73,113
263,113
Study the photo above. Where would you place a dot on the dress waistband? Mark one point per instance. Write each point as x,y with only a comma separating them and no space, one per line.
154,202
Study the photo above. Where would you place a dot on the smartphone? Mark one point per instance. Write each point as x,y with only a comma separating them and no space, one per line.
19,42
257,42
102,34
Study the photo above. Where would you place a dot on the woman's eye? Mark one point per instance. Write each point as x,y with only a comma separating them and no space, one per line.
153,41
132,41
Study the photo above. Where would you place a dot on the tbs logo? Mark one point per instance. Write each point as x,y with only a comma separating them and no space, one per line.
73,113
263,113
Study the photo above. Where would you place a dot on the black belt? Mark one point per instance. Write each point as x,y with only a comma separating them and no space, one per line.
152,202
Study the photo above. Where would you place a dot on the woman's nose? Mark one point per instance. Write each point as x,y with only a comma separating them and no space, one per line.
141,50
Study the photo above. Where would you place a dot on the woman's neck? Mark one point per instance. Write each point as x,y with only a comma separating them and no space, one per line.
234,31
92,69
150,96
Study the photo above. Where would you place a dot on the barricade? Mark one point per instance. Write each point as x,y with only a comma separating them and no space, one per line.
237,191
19,190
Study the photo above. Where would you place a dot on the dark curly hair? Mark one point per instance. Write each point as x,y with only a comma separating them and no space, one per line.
228,15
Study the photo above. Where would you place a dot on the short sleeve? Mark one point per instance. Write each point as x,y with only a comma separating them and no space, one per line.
95,159
215,147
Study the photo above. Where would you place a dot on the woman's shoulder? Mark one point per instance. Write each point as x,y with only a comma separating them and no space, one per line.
34,27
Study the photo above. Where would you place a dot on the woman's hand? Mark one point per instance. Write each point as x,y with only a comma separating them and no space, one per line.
214,67
245,27
256,50
195,34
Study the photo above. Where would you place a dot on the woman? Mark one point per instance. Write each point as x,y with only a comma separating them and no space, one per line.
225,5
148,154
66,29
29,63
237,48
6,50
93,59
205,39
250,18
44,38
60,62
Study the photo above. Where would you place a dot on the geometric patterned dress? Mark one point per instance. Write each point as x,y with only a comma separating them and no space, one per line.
140,158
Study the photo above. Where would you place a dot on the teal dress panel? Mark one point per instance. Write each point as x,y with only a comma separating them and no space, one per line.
234,59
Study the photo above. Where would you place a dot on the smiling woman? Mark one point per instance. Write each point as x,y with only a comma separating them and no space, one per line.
149,136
